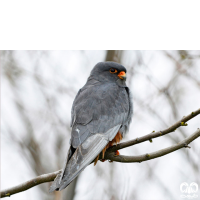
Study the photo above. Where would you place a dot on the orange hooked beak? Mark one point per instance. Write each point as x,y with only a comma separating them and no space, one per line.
122,75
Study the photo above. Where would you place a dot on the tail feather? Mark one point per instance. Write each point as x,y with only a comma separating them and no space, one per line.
82,157
56,184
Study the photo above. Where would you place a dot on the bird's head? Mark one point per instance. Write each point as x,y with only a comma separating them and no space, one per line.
109,72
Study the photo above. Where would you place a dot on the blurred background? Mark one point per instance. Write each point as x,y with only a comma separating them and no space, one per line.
37,92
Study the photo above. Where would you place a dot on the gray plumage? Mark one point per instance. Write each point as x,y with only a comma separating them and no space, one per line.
101,108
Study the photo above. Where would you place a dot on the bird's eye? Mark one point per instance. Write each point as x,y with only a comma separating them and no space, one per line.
112,70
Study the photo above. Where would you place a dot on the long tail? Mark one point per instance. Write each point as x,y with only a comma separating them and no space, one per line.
82,157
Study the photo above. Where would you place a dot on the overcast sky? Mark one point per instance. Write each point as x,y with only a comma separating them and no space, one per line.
153,71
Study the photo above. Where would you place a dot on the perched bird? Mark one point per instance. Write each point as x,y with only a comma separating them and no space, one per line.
100,116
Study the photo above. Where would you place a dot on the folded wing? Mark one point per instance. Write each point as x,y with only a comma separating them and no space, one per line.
98,113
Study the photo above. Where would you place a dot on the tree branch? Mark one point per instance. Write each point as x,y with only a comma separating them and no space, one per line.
155,134
130,159
29,184
110,154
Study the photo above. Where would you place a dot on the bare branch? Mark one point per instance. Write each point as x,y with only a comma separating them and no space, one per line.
130,159
155,134
29,184
110,154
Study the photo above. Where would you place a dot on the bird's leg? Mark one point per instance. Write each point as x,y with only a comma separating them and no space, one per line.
117,153
104,150
96,160
115,140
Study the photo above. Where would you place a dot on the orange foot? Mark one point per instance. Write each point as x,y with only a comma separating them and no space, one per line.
117,153
103,160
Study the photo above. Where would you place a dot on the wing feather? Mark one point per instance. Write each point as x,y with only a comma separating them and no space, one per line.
98,113
82,157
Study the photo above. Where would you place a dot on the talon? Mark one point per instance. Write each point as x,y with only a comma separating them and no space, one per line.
117,153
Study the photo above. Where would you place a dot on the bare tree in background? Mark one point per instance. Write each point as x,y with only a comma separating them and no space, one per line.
44,123
31,146
172,92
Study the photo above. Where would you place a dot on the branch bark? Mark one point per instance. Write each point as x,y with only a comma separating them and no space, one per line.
110,154
130,159
29,184
154,134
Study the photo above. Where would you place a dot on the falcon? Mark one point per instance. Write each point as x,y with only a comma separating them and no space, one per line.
100,117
